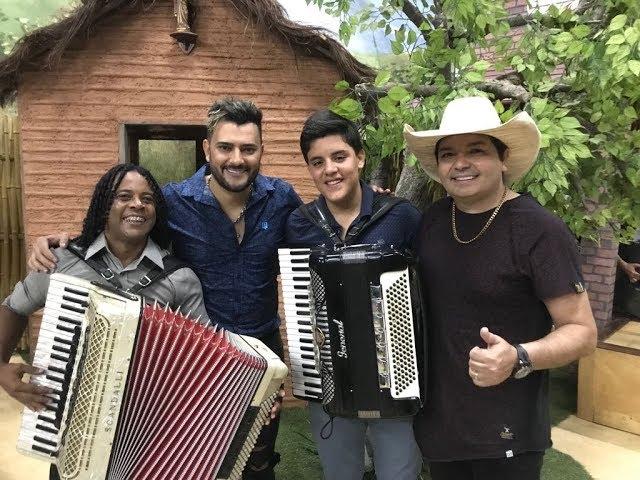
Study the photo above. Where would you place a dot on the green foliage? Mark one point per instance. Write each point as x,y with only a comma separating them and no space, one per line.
21,17
579,71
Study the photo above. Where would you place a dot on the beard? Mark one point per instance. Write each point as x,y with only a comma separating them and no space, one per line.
219,178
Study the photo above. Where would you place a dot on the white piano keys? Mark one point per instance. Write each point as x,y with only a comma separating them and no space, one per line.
64,311
295,278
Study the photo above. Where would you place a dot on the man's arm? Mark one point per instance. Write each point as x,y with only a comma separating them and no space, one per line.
631,270
189,294
12,326
42,258
574,336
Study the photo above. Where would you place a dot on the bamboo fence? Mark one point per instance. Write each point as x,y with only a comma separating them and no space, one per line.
12,261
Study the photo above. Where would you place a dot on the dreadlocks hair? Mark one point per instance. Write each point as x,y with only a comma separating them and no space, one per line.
102,199
233,110
324,123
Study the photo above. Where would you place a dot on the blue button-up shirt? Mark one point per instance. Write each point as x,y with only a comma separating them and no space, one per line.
238,280
398,227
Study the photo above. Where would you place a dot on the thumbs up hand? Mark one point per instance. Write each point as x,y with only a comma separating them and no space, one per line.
493,364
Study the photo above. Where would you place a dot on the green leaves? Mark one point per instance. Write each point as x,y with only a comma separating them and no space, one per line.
464,60
341,86
616,40
617,22
569,123
395,96
473,77
397,93
382,78
387,105
348,108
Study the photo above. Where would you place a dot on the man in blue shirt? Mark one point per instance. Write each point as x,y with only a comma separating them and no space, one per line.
333,150
227,221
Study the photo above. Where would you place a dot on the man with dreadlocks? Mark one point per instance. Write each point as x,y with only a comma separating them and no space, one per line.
124,236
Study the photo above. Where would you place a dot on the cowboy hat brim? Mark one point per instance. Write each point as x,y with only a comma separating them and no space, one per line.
520,134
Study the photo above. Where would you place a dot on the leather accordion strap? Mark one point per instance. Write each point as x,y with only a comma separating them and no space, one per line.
318,215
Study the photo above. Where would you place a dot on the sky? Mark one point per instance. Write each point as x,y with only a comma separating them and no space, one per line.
300,12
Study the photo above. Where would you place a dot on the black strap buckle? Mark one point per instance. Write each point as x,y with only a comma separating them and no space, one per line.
107,274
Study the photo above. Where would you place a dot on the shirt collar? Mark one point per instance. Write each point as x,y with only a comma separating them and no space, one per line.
366,207
152,251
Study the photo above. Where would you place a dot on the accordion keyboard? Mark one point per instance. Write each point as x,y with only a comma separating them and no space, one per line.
295,276
60,330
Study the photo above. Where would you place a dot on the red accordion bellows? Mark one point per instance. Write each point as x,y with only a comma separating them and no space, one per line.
186,393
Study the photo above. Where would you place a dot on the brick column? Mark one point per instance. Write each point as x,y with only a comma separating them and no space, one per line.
599,272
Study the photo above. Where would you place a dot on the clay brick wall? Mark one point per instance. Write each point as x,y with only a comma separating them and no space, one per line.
518,7
599,273
132,71
515,7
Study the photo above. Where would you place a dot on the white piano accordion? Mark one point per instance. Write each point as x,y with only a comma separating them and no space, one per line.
355,329
141,392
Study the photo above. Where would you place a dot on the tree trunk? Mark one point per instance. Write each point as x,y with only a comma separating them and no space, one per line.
380,176
415,186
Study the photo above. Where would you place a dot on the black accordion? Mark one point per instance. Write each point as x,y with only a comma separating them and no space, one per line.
355,329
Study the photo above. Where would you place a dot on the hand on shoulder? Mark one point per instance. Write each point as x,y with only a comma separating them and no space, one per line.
42,258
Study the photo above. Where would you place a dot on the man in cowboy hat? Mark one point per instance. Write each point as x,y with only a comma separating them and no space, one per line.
505,295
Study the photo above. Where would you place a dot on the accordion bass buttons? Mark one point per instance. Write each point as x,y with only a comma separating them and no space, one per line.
377,310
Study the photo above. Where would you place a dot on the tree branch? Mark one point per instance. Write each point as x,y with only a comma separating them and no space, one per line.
414,15
501,89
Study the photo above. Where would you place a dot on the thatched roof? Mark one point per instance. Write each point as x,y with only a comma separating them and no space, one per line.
43,48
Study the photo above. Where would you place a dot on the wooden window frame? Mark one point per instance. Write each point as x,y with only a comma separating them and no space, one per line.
131,133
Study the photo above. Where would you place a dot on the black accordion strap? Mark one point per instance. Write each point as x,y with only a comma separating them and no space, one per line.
154,272
381,205
171,264
314,213
96,263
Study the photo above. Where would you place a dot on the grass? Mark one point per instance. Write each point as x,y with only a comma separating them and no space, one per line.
300,458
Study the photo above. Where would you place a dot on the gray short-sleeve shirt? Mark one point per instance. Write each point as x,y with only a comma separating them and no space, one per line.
180,288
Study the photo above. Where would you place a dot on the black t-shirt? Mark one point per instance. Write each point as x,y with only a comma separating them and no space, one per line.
499,281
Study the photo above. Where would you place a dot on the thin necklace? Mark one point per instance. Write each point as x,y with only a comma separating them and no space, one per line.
242,212
486,225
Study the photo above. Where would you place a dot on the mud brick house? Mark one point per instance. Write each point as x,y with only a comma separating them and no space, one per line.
92,86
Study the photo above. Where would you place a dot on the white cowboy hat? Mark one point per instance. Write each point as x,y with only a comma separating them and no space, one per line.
477,115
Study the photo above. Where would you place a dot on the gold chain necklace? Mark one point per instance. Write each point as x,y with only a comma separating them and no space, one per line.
486,225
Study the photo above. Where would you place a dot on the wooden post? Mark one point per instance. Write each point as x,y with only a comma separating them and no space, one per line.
12,251
5,253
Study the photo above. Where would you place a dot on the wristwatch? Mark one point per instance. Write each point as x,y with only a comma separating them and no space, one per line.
523,365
